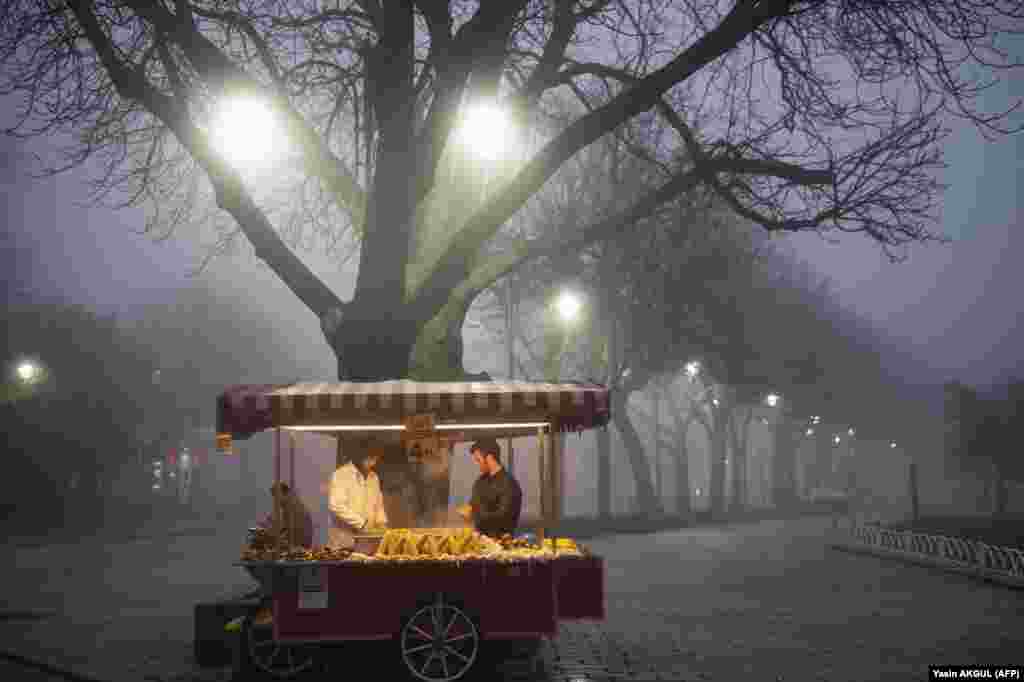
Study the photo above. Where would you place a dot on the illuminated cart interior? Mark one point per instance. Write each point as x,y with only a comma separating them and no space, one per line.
439,610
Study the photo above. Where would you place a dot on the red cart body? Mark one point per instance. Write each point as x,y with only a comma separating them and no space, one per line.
371,600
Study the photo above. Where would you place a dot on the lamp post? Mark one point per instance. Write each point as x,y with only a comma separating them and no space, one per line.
657,438
568,306
511,314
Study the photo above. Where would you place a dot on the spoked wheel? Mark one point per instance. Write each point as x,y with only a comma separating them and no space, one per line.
440,642
280,660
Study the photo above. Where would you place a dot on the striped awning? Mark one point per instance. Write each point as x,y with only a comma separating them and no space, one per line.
244,410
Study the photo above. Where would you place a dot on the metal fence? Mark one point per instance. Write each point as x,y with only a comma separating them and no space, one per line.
956,552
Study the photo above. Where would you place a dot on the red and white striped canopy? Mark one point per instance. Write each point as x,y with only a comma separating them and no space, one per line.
244,410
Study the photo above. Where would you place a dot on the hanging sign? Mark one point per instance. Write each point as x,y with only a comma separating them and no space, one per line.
419,438
224,443
418,426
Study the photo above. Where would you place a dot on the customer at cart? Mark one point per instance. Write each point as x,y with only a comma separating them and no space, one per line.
355,499
497,498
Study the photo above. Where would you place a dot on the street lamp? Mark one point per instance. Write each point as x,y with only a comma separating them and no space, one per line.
772,400
692,369
810,432
245,131
483,128
28,371
892,445
568,306
836,440
850,431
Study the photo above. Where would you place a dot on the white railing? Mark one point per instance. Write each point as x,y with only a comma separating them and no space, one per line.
963,552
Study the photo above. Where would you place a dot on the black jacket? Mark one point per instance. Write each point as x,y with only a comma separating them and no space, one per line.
497,501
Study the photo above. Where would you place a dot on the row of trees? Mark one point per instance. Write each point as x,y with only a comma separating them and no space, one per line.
984,430
74,426
113,389
702,285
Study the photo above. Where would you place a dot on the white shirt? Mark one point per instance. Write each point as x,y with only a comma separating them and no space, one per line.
355,502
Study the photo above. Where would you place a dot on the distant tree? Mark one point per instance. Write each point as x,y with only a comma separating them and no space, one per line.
196,351
982,432
76,428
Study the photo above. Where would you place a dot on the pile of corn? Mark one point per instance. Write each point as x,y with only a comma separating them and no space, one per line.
441,543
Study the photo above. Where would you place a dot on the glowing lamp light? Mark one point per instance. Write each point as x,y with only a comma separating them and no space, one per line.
771,400
27,372
692,368
836,440
810,432
568,306
483,130
850,432
892,444
245,131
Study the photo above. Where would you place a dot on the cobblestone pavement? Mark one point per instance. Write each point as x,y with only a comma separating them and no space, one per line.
765,601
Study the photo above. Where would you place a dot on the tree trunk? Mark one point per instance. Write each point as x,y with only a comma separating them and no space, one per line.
683,502
999,492
646,498
738,430
372,343
718,454
657,441
604,473
821,460
784,493
912,481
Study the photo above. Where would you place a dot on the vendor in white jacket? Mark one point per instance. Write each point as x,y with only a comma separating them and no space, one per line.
355,500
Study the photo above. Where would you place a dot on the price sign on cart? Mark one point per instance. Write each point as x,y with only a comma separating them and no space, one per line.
420,437
313,587
418,427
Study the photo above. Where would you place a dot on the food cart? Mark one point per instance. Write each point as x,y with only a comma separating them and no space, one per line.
439,594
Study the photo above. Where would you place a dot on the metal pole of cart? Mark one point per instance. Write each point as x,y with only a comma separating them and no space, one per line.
510,340
277,475
289,521
291,457
542,471
560,471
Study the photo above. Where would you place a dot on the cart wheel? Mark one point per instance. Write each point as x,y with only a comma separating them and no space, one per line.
282,661
440,642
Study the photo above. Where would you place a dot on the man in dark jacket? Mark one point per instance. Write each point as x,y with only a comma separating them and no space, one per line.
497,498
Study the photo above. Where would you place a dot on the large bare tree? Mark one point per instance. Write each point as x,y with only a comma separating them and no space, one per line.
817,114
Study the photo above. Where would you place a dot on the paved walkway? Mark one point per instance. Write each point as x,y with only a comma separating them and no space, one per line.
765,601
771,601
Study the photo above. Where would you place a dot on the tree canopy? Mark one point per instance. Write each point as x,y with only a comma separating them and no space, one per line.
799,115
